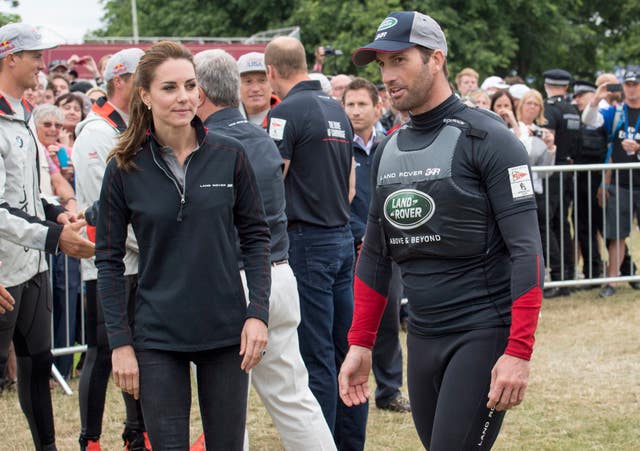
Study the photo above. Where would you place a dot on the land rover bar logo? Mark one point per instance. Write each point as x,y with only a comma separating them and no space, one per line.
408,208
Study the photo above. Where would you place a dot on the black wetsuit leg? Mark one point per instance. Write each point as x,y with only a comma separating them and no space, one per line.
29,325
448,379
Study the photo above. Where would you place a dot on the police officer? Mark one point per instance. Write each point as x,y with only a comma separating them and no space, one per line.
592,148
453,204
563,118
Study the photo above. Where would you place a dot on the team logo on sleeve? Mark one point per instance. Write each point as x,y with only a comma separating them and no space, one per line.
276,128
408,208
520,180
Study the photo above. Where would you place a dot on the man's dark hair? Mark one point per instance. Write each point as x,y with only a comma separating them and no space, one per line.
426,53
362,83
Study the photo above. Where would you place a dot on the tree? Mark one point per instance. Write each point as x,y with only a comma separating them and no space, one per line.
8,18
492,36
193,17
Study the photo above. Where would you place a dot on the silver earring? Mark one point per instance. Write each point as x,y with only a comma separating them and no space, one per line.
149,107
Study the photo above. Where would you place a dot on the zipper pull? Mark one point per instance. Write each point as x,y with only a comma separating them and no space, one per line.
182,202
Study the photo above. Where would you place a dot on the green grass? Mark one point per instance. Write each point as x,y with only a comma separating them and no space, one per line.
584,391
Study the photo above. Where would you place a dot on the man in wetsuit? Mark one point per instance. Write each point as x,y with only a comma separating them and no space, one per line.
453,205
29,226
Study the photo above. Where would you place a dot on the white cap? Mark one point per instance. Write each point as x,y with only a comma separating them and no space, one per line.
123,62
251,62
494,82
518,90
19,37
324,81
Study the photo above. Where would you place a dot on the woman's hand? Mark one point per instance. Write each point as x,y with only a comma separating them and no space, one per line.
253,343
549,138
125,370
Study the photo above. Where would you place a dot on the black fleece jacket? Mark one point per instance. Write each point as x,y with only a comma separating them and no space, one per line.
190,295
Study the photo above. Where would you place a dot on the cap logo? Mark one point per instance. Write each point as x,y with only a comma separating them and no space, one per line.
119,69
388,23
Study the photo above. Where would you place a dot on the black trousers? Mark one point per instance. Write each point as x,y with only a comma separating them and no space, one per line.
97,368
588,227
558,233
165,395
387,352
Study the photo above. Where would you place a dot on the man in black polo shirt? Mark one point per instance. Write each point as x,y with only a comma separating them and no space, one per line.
315,140
281,378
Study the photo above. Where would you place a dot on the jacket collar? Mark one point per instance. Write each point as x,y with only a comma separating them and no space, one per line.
5,107
108,112
201,133
225,116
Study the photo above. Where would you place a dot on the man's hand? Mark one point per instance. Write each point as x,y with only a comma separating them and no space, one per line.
601,93
6,300
125,370
509,379
630,146
72,244
353,379
253,342
67,217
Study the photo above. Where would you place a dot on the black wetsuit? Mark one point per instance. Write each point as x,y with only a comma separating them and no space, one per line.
453,205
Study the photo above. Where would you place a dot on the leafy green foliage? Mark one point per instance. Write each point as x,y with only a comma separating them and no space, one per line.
492,36
8,18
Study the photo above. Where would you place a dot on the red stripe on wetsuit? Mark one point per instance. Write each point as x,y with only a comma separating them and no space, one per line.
368,307
525,311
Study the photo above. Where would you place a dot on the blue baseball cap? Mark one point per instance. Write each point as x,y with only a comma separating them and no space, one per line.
399,31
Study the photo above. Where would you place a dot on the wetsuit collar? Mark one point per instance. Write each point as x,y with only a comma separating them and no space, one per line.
432,119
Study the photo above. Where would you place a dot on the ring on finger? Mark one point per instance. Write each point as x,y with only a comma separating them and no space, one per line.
263,352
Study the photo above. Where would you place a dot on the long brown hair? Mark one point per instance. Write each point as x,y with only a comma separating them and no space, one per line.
140,118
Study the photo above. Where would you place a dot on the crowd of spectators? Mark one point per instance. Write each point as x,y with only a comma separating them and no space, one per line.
576,122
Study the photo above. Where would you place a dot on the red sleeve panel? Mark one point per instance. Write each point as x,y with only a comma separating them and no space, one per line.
369,306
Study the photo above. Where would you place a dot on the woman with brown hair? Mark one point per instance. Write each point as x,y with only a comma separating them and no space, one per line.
186,192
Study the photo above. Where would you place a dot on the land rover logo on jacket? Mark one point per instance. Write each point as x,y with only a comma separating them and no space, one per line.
408,208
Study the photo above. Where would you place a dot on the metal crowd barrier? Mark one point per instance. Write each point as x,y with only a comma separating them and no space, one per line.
591,278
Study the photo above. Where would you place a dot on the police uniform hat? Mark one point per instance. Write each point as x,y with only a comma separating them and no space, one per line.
557,77
582,86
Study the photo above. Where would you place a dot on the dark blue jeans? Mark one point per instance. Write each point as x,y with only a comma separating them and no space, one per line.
387,352
322,260
165,396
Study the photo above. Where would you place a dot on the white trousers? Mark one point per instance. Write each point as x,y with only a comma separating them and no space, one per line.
281,379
